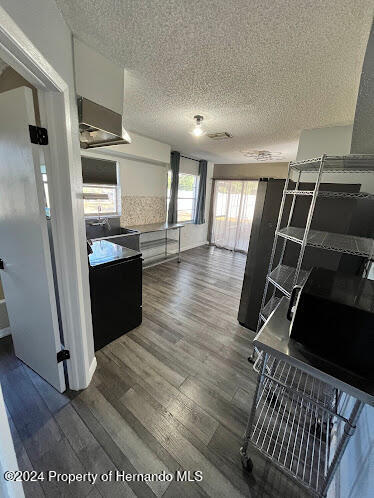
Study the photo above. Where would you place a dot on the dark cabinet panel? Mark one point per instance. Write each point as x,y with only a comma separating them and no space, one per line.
334,215
268,199
116,299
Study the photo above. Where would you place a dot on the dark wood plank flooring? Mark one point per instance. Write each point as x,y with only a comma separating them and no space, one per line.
172,394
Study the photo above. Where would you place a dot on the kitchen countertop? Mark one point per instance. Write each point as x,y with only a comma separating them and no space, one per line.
155,227
274,338
106,253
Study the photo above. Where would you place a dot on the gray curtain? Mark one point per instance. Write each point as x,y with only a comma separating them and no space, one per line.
173,204
200,202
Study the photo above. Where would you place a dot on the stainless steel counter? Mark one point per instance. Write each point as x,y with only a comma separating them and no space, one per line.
162,241
274,338
156,227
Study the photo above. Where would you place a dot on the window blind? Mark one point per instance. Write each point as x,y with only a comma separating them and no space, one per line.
99,171
188,166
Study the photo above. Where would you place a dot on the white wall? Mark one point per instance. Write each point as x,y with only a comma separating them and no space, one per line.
137,178
140,178
8,460
43,24
363,137
141,148
334,140
97,78
355,476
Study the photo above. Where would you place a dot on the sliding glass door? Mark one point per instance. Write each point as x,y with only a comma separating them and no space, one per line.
233,209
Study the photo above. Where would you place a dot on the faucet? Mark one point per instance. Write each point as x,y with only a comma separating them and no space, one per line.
100,222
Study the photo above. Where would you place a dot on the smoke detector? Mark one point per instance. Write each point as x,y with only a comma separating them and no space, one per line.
262,155
221,135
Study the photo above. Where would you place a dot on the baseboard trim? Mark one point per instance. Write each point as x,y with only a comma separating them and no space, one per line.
4,320
4,332
192,246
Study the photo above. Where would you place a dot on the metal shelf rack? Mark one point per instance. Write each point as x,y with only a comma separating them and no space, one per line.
283,278
347,244
166,236
269,307
338,195
299,423
150,244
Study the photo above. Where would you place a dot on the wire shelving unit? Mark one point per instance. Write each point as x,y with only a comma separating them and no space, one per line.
299,423
283,277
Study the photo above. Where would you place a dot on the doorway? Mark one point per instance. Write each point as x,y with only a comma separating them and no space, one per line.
25,249
57,106
52,75
233,210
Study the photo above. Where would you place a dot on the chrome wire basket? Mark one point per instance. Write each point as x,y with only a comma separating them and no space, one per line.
299,423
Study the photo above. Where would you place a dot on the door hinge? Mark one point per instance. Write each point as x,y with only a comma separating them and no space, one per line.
38,135
62,355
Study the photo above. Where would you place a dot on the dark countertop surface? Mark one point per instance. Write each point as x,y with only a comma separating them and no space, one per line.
274,338
105,253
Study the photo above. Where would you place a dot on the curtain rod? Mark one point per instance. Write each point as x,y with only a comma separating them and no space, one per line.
192,159
243,179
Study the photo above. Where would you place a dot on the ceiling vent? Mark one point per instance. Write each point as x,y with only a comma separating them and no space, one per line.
222,135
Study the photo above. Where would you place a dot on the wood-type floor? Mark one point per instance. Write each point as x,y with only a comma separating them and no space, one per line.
173,394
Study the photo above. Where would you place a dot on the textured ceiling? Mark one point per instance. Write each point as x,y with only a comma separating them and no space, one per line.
262,70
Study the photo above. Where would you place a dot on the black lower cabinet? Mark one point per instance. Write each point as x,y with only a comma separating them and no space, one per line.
116,299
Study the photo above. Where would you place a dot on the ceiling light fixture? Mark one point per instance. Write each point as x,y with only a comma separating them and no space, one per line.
198,131
262,155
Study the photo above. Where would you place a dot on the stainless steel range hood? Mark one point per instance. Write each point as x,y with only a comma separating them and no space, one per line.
99,126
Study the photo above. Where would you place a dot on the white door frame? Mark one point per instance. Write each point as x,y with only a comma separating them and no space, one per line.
65,187
8,459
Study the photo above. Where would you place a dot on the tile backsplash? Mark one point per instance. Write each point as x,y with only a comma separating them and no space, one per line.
141,210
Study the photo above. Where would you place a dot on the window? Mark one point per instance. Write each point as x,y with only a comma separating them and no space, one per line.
186,196
98,207
233,211
101,190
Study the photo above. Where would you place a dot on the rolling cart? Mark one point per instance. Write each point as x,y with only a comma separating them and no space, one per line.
304,410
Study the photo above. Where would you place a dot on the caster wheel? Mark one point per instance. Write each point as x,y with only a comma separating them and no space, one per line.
246,461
